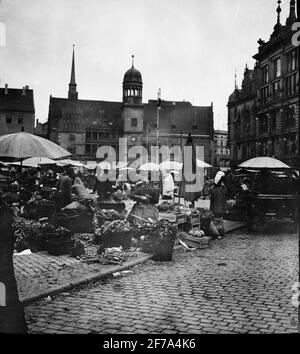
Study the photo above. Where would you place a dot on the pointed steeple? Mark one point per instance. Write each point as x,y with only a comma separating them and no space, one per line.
292,16
132,57
235,83
73,94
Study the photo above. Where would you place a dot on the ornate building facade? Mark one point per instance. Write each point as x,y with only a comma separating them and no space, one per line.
263,115
222,153
82,126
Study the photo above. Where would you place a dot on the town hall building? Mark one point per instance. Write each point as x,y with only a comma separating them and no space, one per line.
81,126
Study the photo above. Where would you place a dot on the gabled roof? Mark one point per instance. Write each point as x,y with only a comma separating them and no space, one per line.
15,101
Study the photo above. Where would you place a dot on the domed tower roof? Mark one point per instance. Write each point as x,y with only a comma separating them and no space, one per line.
132,75
132,85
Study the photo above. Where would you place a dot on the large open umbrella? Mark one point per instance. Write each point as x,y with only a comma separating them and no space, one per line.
263,163
149,166
203,164
39,161
67,162
170,165
24,145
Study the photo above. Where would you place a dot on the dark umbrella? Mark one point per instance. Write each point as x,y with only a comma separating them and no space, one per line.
190,187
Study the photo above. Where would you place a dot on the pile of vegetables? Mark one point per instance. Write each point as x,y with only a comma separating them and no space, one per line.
29,233
112,227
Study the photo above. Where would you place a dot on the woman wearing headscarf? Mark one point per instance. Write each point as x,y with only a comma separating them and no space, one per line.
217,196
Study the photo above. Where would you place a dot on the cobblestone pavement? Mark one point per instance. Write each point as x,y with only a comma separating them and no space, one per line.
242,284
39,273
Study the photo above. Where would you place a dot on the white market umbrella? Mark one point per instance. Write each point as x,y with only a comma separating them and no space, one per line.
149,166
24,145
37,161
263,162
203,164
170,165
70,162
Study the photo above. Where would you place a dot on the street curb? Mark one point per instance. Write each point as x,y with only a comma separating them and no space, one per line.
55,290
88,278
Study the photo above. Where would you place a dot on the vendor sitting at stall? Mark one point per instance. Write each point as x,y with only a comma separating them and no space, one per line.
84,197
144,207
64,196
103,186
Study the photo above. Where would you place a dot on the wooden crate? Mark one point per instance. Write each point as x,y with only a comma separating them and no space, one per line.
195,242
194,219
180,218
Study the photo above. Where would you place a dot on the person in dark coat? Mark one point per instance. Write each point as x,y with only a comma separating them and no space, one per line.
104,188
12,317
218,196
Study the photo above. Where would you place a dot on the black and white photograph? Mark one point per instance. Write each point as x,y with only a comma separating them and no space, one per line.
149,170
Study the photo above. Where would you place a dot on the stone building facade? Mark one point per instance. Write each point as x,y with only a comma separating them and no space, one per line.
82,126
222,153
263,115
17,112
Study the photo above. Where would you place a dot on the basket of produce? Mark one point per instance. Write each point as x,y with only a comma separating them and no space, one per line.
60,242
114,234
160,240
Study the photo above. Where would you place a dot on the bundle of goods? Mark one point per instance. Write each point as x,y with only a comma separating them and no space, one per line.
113,234
75,217
165,206
159,238
113,255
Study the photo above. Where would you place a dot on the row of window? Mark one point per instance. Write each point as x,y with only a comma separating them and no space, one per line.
99,136
9,120
273,92
132,92
274,70
134,124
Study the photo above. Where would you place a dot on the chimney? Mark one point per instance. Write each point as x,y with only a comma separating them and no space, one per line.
27,87
6,89
23,91
37,122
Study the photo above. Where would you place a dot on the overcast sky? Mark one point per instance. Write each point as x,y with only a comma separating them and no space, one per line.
188,48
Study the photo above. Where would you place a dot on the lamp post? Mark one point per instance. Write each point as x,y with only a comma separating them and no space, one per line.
157,122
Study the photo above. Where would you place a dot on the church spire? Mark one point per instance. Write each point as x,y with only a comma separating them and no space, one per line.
292,16
132,61
235,83
73,94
